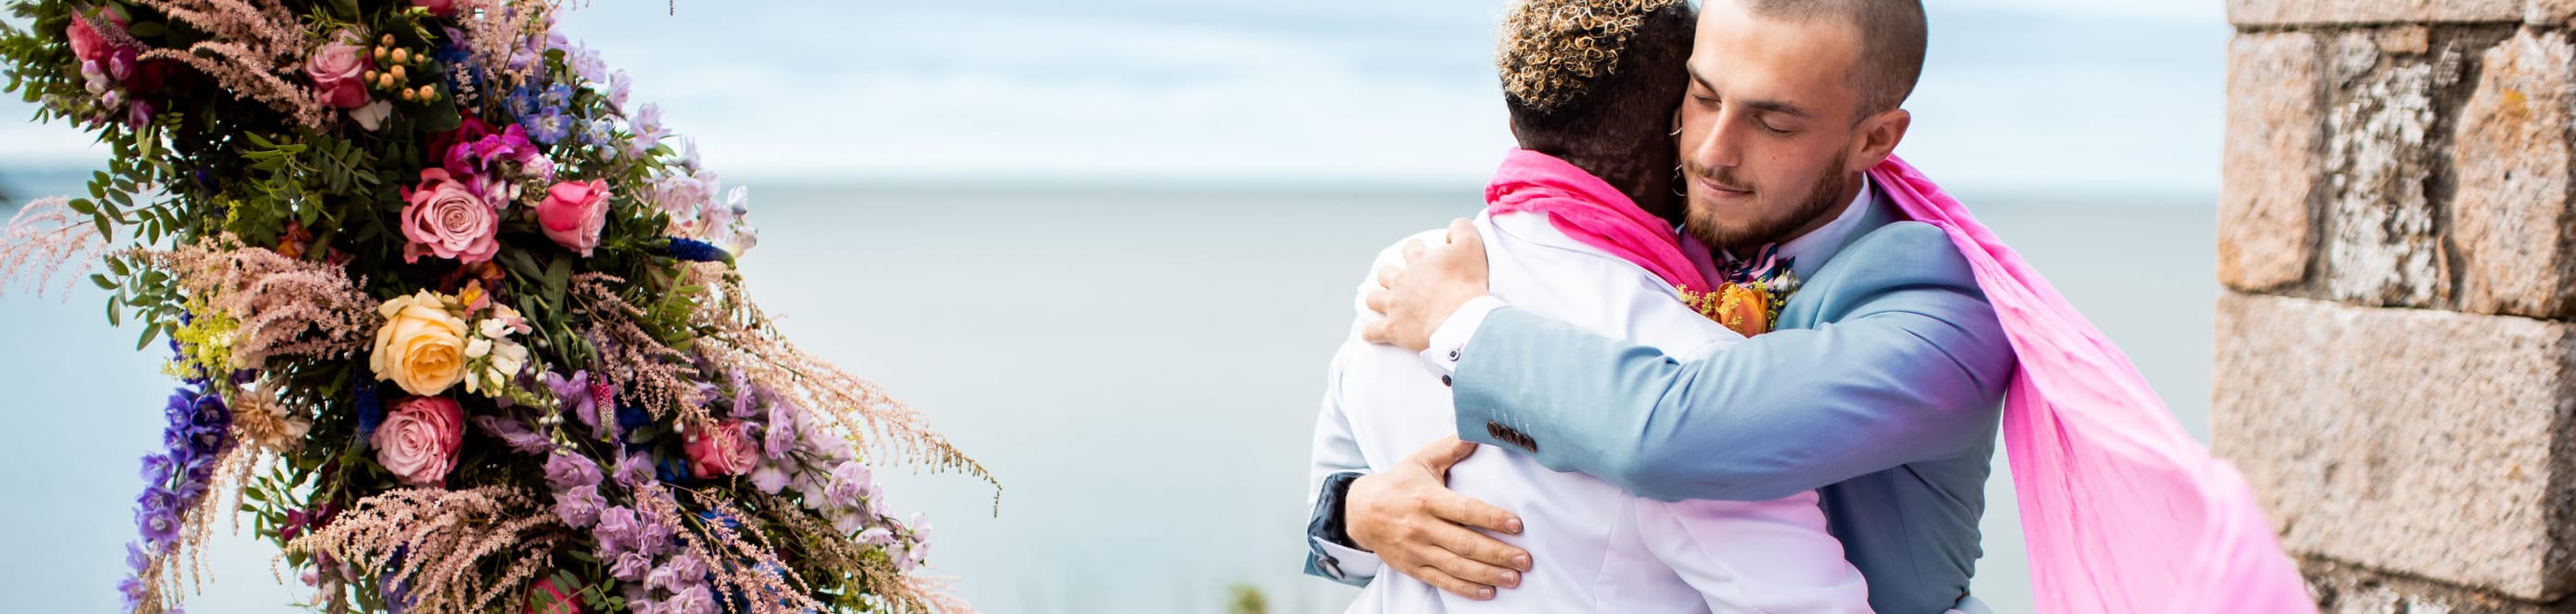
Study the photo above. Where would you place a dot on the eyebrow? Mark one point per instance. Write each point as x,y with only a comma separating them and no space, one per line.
1774,106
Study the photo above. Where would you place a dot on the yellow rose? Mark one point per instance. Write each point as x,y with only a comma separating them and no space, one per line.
421,347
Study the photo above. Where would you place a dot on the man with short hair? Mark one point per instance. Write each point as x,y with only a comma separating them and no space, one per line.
1581,222
1880,386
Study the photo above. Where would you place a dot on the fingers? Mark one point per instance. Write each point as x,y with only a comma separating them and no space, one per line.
1445,453
1477,557
1386,277
1377,332
1461,230
1435,577
1466,568
1413,250
1454,507
1377,299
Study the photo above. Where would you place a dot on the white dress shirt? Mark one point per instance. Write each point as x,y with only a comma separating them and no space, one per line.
1594,547
1808,251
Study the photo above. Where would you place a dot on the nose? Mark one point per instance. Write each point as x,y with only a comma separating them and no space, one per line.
1713,143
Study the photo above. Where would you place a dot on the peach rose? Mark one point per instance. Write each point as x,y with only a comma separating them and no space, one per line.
418,439
722,450
446,218
337,68
573,213
421,346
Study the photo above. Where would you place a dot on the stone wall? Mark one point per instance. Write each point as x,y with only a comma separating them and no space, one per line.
2396,355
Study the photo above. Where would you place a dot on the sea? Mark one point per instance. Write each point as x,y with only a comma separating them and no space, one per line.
1138,367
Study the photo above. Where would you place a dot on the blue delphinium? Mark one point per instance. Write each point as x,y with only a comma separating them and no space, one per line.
200,429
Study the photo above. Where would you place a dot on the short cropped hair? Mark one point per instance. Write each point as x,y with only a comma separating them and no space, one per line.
1892,42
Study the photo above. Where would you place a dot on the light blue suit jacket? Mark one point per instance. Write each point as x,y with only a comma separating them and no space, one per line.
1882,389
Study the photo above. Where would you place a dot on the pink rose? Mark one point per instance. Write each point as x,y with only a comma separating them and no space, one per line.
87,43
573,213
448,219
722,450
441,8
418,439
545,597
338,70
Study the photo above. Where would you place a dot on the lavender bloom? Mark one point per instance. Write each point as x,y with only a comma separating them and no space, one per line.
568,471
635,470
157,499
557,95
547,126
514,434
850,485
631,567
695,600
619,530
573,396
619,87
157,468
769,477
579,507
678,573
158,526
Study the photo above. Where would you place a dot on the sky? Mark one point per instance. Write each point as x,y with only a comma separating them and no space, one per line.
2047,96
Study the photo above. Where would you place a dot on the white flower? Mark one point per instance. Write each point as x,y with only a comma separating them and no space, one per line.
372,115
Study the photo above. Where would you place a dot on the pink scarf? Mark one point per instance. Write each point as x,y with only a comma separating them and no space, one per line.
1589,210
2123,512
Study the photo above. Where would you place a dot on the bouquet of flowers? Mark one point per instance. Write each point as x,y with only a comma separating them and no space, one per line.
459,328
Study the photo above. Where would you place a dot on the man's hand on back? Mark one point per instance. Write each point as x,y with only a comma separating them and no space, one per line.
1432,283
1418,527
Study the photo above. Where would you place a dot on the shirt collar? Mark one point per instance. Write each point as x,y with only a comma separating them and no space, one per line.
1812,249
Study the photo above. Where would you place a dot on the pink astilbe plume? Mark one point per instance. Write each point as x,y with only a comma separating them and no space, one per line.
630,359
285,306
43,238
255,51
433,542
742,337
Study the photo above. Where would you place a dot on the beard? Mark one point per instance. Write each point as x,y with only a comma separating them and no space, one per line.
1771,224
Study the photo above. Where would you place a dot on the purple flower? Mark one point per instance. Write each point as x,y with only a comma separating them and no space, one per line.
135,558
568,471
619,530
579,507
547,126
695,600
157,499
769,477
158,526
850,484
131,588
635,470
678,573
631,567
618,88
573,396
158,468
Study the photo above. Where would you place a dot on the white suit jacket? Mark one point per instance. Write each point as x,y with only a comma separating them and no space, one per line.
1594,547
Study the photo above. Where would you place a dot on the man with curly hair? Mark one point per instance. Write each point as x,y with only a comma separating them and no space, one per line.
1872,379
1580,221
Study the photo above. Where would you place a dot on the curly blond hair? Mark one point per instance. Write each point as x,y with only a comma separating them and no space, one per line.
1554,51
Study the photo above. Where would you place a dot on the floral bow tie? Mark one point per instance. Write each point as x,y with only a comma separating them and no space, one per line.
1748,298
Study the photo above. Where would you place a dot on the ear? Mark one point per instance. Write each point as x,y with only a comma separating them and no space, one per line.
1877,138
